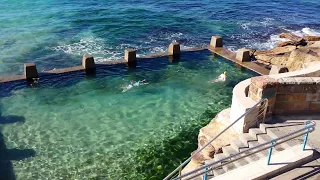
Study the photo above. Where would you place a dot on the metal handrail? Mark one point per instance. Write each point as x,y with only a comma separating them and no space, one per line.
214,138
228,160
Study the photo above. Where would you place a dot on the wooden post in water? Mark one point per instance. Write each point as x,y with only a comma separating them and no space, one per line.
216,41
130,57
30,71
88,64
174,52
243,55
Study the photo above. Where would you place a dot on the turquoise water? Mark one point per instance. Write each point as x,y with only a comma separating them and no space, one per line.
78,127
56,34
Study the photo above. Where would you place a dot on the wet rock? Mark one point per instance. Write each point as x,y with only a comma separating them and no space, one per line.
291,37
311,38
293,40
288,43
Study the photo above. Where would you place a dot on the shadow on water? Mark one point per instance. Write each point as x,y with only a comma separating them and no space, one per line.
7,155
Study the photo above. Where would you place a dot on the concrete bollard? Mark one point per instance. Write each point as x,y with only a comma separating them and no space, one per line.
243,55
30,71
130,57
174,49
277,69
216,41
88,63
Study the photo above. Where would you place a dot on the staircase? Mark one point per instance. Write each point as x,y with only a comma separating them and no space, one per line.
249,157
255,137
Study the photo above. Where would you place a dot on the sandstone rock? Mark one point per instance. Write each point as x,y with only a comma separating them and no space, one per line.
315,44
311,38
221,121
294,40
273,59
299,57
291,37
276,51
288,43
311,64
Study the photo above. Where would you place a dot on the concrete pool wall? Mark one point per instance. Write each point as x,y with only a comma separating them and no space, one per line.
296,92
130,59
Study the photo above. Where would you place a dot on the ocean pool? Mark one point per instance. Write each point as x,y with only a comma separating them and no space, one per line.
76,127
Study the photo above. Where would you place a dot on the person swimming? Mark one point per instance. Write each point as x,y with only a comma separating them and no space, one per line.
221,78
131,85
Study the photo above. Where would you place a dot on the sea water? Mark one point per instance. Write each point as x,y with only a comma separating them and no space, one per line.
56,34
76,127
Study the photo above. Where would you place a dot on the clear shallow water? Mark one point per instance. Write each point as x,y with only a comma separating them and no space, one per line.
57,33
77,127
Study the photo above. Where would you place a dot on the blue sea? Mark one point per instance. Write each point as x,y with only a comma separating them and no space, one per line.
73,126
56,34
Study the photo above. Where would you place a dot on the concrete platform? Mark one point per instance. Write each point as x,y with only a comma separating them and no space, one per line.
279,162
309,171
231,56
287,124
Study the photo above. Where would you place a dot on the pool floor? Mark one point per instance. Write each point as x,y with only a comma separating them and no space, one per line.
75,127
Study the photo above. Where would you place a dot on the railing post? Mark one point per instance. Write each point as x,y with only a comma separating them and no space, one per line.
305,137
270,151
205,176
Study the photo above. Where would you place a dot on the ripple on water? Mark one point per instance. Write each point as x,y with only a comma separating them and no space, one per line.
90,129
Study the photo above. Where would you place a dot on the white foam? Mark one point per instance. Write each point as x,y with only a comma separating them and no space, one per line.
304,32
104,52
264,22
89,45
275,39
310,32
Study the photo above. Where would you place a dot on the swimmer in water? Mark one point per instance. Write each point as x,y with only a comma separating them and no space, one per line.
131,85
221,78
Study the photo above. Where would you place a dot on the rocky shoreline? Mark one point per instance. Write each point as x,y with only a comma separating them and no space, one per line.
294,52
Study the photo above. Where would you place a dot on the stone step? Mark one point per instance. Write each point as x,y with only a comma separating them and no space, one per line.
217,172
276,133
246,137
264,138
238,144
227,167
228,150
261,154
280,162
263,127
256,131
